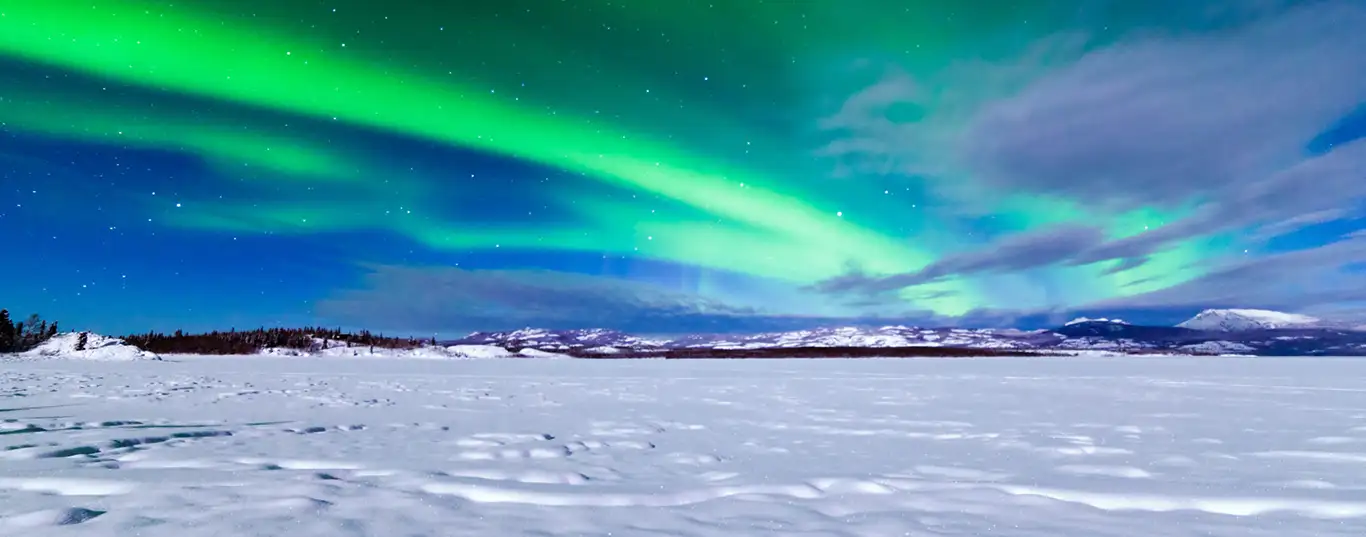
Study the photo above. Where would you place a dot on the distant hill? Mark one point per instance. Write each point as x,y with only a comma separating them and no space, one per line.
1240,320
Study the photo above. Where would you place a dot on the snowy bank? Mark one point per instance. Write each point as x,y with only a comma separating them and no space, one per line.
97,347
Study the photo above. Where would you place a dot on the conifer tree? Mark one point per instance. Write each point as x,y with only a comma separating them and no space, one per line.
7,342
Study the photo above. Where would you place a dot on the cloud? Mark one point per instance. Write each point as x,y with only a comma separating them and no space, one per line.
1160,121
1127,264
1288,225
1020,251
871,137
453,301
1310,192
1297,280
1216,120
1349,313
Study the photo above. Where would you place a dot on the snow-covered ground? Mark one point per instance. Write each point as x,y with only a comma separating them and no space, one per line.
1088,447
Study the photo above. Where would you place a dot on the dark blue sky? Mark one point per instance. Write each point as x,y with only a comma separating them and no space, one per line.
435,170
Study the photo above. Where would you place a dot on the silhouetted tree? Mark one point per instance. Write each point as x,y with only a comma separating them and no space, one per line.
7,338
22,336
34,328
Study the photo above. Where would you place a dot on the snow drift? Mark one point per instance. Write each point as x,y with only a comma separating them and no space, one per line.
338,350
97,347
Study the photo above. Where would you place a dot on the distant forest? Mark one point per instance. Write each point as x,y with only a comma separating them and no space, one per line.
26,334
252,341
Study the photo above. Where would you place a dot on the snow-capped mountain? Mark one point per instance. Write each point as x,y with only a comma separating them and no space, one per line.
560,340
1241,320
1079,335
1245,332
884,337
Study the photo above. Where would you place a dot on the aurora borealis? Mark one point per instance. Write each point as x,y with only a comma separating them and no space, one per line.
657,166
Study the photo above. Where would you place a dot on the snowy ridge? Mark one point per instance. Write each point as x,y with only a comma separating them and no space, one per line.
561,340
1083,334
603,342
1239,320
883,337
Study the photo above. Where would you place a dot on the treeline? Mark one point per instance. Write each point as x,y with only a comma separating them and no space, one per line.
252,341
24,335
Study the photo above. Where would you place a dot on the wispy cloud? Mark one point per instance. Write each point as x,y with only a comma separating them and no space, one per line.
1163,120
1296,280
1216,121
1022,251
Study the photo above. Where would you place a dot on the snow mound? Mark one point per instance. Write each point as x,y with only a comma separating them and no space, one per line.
537,353
282,351
478,351
97,348
1239,320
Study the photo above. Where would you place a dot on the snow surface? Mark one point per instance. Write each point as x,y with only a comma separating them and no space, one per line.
1065,447
1235,320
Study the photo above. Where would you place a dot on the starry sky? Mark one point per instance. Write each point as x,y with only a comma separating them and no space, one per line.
661,167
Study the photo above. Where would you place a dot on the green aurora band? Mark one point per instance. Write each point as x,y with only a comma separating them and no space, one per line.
731,210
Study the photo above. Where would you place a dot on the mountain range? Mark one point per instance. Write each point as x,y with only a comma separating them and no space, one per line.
1224,331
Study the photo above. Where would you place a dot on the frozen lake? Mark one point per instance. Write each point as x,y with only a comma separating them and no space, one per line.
1087,447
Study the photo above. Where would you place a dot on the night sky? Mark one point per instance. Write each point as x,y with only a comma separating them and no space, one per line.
671,166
